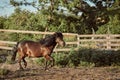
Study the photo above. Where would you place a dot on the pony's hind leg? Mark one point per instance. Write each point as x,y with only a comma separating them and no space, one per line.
20,65
25,63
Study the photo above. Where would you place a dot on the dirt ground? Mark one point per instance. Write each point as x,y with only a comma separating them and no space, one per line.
35,72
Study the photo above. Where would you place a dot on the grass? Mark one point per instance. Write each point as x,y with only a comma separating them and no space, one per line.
4,71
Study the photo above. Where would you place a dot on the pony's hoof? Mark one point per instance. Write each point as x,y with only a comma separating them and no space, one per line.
21,68
47,70
25,67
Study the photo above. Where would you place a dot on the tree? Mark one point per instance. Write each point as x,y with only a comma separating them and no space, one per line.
114,22
2,21
64,14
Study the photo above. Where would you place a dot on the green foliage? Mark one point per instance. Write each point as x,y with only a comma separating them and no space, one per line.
74,58
4,71
61,59
88,57
62,15
113,26
100,57
1,60
40,61
2,22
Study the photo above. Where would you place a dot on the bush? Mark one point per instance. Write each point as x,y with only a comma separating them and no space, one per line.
61,59
100,57
40,61
74,58
86,57
115,58
4,71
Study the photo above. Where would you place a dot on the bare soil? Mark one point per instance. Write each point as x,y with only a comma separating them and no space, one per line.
35,72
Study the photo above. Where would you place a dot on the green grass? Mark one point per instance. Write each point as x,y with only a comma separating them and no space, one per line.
4,71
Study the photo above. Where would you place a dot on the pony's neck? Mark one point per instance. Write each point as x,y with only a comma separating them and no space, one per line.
48,41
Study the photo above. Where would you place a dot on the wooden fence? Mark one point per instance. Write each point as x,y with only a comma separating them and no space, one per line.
5,44
103,41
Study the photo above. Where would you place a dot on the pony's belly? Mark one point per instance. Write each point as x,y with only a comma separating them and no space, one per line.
33,54
36,55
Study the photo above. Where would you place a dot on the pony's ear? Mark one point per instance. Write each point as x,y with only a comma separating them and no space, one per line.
57,34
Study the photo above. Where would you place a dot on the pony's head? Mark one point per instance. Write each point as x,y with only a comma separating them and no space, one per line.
59,38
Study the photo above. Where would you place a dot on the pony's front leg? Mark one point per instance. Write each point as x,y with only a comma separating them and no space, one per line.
46,61
52,62
48,58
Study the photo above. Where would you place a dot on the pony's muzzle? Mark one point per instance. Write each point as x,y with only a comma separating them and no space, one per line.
62,43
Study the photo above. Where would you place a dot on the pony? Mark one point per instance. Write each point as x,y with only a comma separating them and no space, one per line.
42,48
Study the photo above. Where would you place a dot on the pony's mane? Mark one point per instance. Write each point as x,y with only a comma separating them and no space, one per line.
48,40
51,39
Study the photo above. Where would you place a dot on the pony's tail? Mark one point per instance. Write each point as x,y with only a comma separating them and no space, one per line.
14,51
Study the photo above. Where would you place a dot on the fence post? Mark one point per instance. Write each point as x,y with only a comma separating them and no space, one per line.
108,42
78,39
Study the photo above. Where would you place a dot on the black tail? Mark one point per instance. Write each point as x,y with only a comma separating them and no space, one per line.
14,50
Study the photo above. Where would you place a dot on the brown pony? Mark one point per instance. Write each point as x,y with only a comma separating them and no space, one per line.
42,48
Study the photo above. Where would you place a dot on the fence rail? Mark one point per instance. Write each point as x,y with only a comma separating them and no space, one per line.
100,41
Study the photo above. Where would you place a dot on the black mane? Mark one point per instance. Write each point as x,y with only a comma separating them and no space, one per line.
51,39
48,41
